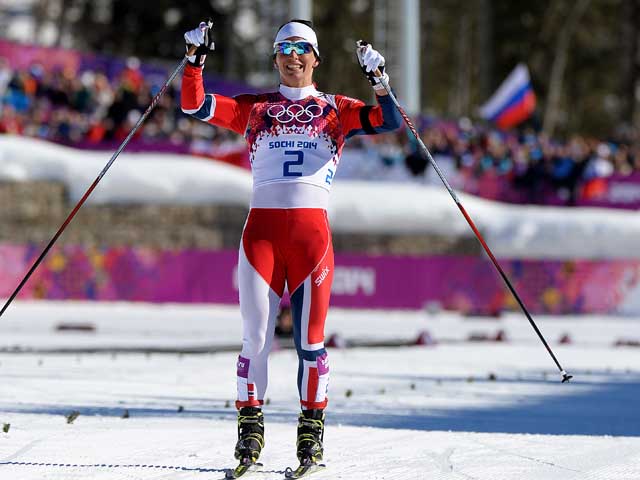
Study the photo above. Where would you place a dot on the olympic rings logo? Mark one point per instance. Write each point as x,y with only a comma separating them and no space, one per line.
302,114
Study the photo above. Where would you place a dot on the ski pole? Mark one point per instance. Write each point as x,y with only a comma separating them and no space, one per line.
151,106
565,376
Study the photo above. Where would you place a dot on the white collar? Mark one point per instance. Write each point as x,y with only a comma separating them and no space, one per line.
295,93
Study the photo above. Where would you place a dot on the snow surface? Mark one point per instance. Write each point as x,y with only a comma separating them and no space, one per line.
411,412
459,409
385,207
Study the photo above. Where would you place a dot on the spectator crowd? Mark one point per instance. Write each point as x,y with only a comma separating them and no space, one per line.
90,110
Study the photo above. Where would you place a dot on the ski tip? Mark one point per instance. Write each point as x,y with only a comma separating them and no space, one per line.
241,469
232,473
303,470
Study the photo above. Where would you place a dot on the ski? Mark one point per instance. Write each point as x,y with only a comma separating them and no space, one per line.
303,470
242,469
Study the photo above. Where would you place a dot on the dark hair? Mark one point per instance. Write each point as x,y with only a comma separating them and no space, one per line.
309,24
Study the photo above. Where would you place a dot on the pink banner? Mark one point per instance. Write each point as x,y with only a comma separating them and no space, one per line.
615,191
467,284
22,57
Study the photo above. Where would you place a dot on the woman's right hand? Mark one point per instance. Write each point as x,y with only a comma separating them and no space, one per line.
199,38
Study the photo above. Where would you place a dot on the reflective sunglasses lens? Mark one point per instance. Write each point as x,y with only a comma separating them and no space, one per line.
299,47
284,48
303,47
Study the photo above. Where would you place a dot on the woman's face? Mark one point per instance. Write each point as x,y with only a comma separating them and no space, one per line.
296,70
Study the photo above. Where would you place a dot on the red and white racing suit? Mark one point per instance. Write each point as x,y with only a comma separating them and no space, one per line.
295,139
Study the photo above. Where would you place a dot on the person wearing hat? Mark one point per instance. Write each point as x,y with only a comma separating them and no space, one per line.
295,137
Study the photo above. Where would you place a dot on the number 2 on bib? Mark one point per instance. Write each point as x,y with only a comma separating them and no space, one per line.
329,177
286,167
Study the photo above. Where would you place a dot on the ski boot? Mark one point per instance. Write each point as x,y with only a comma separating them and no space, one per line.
310,435
250,434
309,444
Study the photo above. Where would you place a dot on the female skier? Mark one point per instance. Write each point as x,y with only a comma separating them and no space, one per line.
295,137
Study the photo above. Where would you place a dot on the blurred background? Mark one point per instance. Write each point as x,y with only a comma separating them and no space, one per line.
131,325
583,55
530,109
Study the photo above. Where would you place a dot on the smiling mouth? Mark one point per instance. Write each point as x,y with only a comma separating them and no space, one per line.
294,68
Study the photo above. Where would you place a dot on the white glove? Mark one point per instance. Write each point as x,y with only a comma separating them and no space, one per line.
371,60
200,38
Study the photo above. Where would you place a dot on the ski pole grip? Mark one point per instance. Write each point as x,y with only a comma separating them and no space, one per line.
361,44
191,51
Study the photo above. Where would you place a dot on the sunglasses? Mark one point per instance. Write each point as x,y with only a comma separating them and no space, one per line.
287,47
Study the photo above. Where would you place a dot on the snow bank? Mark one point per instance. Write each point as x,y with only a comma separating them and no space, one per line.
511,231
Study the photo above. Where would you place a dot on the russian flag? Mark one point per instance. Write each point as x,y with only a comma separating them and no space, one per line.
513,102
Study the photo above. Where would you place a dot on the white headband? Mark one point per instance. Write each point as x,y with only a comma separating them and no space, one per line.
297,29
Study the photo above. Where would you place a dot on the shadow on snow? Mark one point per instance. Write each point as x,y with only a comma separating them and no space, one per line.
593,403
586,406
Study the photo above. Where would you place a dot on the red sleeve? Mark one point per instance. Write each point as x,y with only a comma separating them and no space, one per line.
192,92
352,112
231,113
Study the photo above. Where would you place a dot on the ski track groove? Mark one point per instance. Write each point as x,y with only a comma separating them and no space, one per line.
610,467
444,463
113,469
592,466
526,457
374,463
397,468
21,451
208,467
